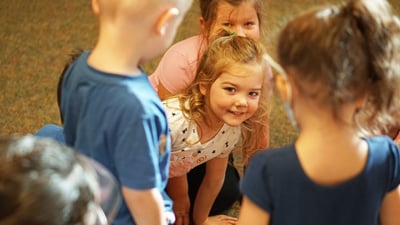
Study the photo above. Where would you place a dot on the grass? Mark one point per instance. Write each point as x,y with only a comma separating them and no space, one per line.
36,37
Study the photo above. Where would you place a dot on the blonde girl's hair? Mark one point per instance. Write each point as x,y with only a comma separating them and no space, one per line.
218,58
347,53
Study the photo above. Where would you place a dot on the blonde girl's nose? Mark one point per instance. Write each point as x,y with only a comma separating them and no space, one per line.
241,100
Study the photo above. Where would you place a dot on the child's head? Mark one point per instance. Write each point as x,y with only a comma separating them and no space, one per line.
229,83
43,182
152,23
347,55
241,16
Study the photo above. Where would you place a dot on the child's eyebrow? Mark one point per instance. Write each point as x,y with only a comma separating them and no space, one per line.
238,85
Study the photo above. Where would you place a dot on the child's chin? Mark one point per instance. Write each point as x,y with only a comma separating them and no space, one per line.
234,123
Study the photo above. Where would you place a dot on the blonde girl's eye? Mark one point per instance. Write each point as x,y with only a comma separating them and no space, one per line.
254,93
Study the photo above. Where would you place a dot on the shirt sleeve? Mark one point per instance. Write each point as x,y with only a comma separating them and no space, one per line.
254,184
395,177
137,152
174,71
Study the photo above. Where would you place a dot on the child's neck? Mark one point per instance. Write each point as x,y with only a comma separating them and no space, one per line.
113,61
117,52
330,151
209,129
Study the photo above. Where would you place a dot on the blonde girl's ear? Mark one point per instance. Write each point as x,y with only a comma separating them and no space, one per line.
203,89
165,19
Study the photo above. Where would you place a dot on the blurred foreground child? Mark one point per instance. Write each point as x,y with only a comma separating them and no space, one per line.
44,182
340,82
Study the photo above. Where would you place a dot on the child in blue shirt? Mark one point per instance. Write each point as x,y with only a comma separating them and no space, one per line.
339,81
110,111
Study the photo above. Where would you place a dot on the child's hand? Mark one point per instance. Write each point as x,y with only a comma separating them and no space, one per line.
181,210
220,220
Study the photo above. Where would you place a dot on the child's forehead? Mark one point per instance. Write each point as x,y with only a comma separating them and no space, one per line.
227,11
242,72
252,81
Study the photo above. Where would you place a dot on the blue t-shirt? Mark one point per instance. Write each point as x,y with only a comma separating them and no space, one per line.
276,182
120,122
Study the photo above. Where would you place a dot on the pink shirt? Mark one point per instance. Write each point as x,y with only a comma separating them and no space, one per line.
177,68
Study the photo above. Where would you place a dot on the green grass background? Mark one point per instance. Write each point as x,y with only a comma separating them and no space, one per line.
37,35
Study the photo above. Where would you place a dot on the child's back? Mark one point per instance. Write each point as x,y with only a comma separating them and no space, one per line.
118,121
293,197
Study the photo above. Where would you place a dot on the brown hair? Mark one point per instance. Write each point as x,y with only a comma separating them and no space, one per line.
42,182
345,54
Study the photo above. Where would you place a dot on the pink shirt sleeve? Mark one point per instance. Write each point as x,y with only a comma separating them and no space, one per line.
177,67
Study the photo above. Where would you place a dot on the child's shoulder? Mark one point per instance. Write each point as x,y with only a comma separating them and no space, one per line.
277,162
380,142
190,44
383,152
275,155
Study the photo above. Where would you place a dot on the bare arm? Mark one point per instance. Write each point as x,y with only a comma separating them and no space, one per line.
209,189
250,213
390,208
177,189
146,206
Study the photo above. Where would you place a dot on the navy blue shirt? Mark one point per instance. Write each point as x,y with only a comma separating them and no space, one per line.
276,182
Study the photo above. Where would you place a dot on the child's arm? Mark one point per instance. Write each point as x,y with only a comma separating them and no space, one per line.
146,206
250,213
389,214
209,189
178,191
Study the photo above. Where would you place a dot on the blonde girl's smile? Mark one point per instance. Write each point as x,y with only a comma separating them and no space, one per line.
234,96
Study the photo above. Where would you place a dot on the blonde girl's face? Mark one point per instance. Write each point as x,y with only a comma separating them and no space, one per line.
234,96
241,19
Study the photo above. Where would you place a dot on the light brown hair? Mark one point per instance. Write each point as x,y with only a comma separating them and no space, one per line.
220,55
337,55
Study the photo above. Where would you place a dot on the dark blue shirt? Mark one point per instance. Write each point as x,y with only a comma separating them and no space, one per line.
276,182
120,122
